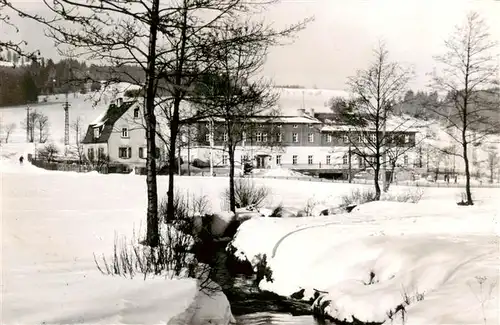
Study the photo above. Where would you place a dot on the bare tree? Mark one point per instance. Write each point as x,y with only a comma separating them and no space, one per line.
235,102
29,124
78,127
492,161
467,75
375,91
9,44
42,125
8,129
48,152
170,45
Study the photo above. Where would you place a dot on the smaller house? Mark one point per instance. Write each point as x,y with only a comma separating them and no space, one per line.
118,136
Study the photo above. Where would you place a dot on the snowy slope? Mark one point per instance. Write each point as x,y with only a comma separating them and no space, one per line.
433,249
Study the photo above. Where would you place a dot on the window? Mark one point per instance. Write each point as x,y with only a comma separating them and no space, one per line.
280,125
142,152
278,160
328,160
294,159
90,154
407,138
224,159
405,160
244,136
328,138
100,153
279,137
207,137
157,153
311,126
295,126
373,138
264,137
124,132
124,152
310,137
259,137
96,133
360,138
225,137
345,160
136,112
310,160
295,137
346,138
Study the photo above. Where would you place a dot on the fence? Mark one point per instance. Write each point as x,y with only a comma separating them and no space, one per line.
366,181
68,167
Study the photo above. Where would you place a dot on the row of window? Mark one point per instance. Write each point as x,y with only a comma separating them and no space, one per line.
123,153
262,137
310,160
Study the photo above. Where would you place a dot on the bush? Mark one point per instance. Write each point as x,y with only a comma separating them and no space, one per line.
412,196
48,152
358,196
247,193
171,258
185,206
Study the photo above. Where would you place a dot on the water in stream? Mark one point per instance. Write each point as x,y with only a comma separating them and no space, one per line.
267,318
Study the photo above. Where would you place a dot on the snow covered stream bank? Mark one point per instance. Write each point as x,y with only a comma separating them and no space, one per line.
53,223
439,263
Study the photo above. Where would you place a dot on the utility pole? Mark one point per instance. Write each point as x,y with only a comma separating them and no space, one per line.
66,106
27,123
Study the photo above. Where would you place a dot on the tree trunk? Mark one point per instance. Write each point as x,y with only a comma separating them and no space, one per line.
491,172
467,171
171,162
152,232
232,195
174,123
375,181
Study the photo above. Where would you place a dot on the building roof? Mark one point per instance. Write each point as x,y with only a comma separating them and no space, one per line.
304,119
106,121
394,124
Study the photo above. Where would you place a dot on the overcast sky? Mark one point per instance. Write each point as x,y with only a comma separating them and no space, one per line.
342,37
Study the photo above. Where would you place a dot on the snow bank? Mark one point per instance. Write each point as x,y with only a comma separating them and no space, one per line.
383,253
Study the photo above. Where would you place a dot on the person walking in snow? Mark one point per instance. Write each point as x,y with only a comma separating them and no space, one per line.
21,159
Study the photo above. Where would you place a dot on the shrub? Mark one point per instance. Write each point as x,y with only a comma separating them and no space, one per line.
171,258
310,205
48,152
247,193
358,196
185,206
413,196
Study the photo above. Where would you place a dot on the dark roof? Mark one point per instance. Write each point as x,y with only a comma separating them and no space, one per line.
108,121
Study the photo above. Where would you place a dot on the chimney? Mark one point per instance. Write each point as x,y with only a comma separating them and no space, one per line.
301,112
119,101
312,112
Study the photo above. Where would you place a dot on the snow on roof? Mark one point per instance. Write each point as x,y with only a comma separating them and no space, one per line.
394,124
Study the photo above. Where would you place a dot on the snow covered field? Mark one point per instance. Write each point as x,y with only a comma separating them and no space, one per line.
53,223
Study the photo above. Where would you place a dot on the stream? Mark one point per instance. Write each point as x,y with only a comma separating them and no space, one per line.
251,306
